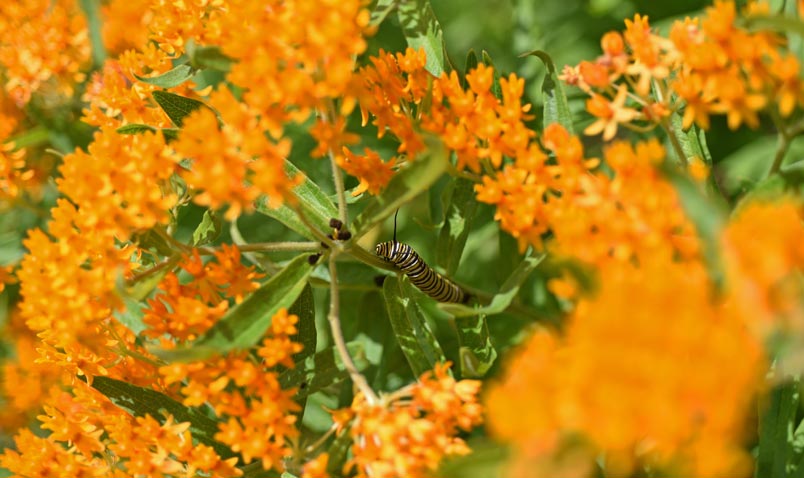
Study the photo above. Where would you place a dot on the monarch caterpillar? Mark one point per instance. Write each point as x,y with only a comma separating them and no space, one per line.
420,274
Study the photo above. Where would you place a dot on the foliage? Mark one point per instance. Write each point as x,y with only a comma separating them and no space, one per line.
192,193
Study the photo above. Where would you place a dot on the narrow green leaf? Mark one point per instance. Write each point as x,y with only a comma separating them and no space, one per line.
208,230
322,369
779,23
487,460
496,89
170,78
707,213
501,300
133,297
304,309
177,107
246,323
92,10
404,186
170,134
135,128
338,453
422,31
412,331
140,401
471,64
457,224
210,57
776,432
313,203
381,11
476,351
556,106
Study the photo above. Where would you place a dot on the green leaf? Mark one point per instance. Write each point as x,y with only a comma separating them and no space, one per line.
321,370
169,79
496,89
210,57
556,107
457,224
471,64
776,432
313,203
404,186
707,213
412,331
140,402
208,230
304,309
135,128
778,23
476,351
501,300
381,11
92,10
177,107
246,323
133,297
422,31
339,453
170,134
487,460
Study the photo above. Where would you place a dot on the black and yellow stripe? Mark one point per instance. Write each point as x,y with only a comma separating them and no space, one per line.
421,275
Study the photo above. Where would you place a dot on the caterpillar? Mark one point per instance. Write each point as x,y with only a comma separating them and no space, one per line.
420,274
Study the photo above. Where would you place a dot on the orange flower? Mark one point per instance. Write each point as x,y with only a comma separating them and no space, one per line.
317,467
609,113
373,172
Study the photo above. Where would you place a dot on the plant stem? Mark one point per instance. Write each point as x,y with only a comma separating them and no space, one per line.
304,246
337,178
337,335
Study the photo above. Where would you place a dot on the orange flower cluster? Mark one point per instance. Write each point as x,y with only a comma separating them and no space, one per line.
42,43
705,67
409,433
473,123
594,217
91,437
115,97
23,382
182,312
13,174
234,163
126,24
119,178
764,256
639,374
305,62
255,414
116,189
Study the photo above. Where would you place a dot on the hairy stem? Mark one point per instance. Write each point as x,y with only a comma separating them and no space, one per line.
337,335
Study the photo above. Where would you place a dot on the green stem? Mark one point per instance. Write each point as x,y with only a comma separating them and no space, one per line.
337,335
306,246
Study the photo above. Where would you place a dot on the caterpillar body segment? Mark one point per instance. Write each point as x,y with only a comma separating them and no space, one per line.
420,274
